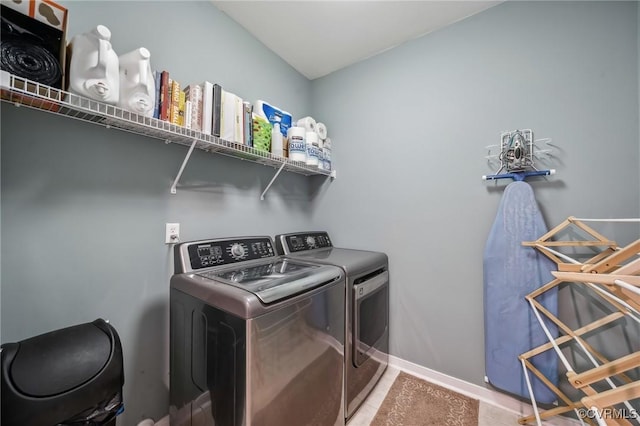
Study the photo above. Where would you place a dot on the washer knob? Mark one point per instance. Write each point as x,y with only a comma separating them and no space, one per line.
311,242
237,251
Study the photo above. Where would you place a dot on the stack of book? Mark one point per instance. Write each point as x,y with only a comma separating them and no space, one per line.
204,107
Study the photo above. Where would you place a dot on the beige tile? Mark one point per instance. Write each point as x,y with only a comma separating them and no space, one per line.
364,415
490,415
378,393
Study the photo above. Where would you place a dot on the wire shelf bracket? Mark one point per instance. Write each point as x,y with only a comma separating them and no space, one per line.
184,164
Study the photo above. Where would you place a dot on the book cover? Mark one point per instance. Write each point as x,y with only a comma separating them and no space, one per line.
174,113
217,110
157,77
227,116
248,125
187,114
238,122
181,107
169,98
164,96
207,107
193,94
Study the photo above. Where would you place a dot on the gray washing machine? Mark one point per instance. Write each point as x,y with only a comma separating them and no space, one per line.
256,338
366,307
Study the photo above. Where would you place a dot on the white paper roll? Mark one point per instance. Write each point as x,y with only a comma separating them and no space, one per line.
327,143
308,123
311,139
297,144
321,130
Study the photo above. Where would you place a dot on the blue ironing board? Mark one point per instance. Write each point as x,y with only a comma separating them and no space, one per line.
512,271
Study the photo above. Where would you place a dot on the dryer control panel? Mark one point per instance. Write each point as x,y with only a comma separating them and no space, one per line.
294,243
204,254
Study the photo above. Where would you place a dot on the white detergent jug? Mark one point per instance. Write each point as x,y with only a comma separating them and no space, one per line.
93,68
137,85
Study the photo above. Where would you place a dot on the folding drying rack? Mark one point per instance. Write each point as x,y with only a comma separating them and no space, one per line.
614,276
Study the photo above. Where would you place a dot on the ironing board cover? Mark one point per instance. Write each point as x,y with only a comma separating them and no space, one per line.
511,271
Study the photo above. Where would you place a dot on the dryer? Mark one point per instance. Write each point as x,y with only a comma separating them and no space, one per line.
366,307
256,338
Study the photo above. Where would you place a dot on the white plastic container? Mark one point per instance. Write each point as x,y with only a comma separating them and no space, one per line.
311,139
137,85
297,144
277,148
93,68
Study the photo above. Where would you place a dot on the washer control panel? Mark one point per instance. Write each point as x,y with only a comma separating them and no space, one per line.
308,241
204,254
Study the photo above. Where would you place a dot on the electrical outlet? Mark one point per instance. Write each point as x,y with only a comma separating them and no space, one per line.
172,233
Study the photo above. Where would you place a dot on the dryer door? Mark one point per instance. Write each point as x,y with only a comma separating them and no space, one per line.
370,314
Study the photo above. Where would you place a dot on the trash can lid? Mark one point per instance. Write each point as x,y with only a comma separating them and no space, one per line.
61,360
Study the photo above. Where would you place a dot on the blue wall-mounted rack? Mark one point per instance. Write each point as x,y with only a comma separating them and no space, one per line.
520,176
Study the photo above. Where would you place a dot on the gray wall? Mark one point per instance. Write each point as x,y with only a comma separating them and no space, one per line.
84,208
409,128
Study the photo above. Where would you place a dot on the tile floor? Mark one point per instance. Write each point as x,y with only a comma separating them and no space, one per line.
489,415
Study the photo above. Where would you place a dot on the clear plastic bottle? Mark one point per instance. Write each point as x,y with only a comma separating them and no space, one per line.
277,148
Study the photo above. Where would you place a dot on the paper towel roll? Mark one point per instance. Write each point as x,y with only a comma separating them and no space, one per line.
308,123
327,159
297,144
327,143
321,130
320,158
312,148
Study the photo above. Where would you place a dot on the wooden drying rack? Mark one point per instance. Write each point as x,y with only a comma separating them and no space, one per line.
614,275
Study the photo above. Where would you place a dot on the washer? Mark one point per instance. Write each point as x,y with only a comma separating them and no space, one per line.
366,308
256,338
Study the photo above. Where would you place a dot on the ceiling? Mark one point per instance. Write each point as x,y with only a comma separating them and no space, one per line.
319,37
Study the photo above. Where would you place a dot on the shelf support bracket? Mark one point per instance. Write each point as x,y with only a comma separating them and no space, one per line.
184,164
272,180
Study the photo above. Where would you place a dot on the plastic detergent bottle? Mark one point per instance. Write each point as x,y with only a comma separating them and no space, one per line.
93,68
276,141
137,86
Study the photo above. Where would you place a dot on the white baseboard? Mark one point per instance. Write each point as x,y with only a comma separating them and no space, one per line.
480,393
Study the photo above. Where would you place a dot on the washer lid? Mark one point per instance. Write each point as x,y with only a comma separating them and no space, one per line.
275,280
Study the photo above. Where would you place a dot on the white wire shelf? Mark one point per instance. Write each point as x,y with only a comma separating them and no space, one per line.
24,92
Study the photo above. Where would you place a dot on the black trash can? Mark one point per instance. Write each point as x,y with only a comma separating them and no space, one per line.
71,376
